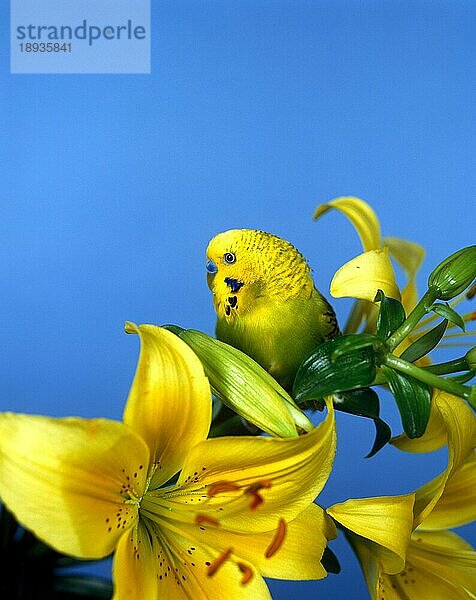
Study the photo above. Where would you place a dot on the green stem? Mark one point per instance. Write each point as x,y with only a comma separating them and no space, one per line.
413,318
452,366
379,379
452,387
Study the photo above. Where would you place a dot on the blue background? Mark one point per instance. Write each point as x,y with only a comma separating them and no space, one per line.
254,113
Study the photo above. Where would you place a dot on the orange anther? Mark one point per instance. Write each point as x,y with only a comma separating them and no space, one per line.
222,486
259,485
217,563
206,519
247,573
256,500
253,489
277,540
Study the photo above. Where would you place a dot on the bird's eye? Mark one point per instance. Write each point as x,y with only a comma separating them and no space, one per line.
229,258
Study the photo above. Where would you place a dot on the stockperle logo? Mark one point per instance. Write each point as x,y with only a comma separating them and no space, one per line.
73,36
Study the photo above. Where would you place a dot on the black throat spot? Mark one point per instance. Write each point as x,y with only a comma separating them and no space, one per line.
234,284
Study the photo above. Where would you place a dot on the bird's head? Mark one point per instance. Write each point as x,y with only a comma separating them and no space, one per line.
240,259
231,258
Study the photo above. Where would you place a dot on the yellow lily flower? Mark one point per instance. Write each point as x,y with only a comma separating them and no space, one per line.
408,255
238,510
362,276
437,563
460,424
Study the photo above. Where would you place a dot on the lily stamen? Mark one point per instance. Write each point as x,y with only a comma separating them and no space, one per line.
206,520
277,540
247,573
253,489
256,500
217,563
220,487
259,485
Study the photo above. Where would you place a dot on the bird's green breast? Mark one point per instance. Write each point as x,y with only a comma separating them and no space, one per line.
279,334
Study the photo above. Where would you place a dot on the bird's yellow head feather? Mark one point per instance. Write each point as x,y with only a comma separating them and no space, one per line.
249,264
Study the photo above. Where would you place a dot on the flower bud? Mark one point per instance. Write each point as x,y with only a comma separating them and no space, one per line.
245,387
454,274
471,358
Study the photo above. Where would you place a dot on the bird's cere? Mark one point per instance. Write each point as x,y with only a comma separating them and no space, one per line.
454,274
211,266
244,386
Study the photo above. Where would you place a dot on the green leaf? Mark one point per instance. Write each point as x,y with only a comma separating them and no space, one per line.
464,377
413,400
353,341
330,562
383,433
445,311
320,375
426,343
365,402
391,315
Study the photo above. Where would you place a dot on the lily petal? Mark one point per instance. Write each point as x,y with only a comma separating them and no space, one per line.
291,473
409,255
364,275
385,523
439,562
460,424
136,566
434,438
367,553
168,565
360,214
169,403
457,505
70,481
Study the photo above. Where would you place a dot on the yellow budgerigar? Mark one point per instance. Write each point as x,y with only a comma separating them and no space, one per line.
266,301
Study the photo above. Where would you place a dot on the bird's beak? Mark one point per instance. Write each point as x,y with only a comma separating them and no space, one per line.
211,272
